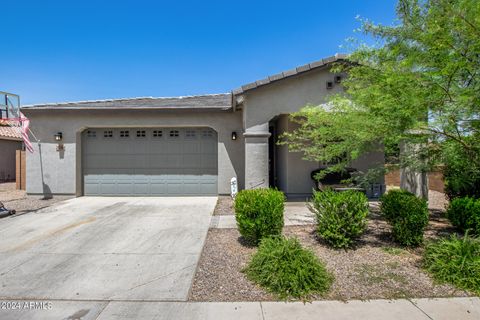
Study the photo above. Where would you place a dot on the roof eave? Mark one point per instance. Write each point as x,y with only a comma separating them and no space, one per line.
207,108
290,73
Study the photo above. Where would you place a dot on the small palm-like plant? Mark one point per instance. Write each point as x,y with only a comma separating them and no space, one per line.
283,267
455,260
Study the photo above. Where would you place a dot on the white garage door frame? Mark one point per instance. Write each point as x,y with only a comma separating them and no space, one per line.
150,161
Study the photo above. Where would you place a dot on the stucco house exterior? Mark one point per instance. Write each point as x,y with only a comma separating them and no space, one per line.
190,145
10,142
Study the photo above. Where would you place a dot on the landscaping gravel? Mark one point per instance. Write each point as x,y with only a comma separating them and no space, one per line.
21,202
375,269
224,206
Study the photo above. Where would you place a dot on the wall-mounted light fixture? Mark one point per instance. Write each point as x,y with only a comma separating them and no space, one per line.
338,79
58,136
234,135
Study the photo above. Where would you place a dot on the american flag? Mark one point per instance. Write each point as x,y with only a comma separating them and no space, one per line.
25,127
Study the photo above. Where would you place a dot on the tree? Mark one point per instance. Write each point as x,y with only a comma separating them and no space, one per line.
419,83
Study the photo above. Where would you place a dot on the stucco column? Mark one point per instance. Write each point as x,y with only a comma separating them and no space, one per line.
256,159
412,179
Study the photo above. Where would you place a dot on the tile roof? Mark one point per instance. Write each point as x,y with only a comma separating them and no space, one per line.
289,73
9,133
221,101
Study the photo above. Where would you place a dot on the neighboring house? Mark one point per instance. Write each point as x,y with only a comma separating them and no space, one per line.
10,141
189,145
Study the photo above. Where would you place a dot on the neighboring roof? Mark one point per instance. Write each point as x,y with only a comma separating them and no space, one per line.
9,133
290,73
221,101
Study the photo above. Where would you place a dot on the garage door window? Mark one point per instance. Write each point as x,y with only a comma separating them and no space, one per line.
207,133
108,134
157,133
124,134
190,134
91,134
141,134
174,133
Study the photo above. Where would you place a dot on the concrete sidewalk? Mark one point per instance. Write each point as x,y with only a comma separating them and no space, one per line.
296,214
421,309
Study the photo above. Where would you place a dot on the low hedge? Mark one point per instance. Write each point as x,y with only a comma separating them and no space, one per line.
464,213
341,216
259,213
407,214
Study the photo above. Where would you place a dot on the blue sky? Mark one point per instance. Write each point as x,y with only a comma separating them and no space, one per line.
82,50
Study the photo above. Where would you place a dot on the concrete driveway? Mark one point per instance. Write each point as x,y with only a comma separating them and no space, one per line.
92,248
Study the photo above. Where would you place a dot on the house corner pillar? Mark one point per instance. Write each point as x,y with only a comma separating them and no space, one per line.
413,179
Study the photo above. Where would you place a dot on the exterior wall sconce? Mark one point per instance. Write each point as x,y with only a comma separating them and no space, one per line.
58,138
338,79
234,135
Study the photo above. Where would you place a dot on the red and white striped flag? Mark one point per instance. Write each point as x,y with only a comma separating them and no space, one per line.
26,139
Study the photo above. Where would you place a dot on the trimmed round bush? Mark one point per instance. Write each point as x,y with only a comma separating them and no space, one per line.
407,214
456,261
464,213
341,216
259,213
286,269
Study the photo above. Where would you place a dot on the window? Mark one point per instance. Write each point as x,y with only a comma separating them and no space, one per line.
91,134
108,134
190,134
157,133
174,133
141,133
124,134
207,133
329,85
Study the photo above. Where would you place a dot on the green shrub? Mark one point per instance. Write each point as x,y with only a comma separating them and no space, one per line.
284,268
259,213
407,214
464,213
455,261
461,172
341,216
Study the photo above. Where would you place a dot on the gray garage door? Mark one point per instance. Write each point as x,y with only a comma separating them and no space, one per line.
150,161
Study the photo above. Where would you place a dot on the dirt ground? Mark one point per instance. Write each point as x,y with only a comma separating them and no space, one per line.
375,268
18,199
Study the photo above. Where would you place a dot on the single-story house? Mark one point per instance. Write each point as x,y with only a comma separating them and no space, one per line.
191,145
10,142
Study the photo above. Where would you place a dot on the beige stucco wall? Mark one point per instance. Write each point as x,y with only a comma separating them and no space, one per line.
7,158
50,171
277,100
286,96
265,103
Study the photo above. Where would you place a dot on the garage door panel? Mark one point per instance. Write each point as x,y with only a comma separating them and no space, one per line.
166,161
141,188
208,147
158,160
